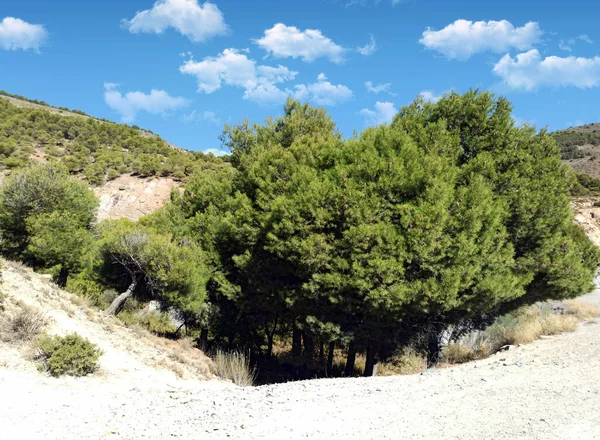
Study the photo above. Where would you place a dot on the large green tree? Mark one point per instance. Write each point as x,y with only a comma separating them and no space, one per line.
449,214
45,218
141,261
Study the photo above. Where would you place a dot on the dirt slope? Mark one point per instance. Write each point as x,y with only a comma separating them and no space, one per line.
133,197
588,216
546,390
132,356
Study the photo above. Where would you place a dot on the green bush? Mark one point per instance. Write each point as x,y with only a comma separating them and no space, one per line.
73,355
154,321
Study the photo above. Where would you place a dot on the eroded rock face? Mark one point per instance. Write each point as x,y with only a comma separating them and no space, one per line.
588,216
132,197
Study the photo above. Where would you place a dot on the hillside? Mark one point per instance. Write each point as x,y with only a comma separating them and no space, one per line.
145,389
131,170
580,148
97,150
132,355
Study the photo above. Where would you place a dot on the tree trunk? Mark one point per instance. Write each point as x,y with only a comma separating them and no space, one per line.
296,342
321,352
119,302
270,337
433,345
330,358
203,343
351,360
309,345
371,359
61,279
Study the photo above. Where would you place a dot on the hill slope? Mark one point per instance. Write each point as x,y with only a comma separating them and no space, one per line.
97,150
132,356
132,170
580,148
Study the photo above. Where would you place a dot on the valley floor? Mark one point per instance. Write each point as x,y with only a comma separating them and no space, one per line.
546,390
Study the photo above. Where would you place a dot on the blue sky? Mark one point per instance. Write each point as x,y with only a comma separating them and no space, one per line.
183,68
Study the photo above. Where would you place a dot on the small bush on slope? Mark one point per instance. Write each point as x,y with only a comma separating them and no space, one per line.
25,325
73,355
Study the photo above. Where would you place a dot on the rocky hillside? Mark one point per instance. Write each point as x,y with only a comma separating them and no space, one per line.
131,170
580,147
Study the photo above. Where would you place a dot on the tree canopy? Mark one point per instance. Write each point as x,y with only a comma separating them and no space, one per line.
446,217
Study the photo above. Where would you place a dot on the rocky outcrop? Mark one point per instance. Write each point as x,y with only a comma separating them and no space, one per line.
133,197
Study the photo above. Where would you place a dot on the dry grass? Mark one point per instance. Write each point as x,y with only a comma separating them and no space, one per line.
26,324
167,364
184,352
234,366
521,327
79,301
582,311
407,361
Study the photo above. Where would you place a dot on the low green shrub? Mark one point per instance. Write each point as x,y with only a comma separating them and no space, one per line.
72,355
154,321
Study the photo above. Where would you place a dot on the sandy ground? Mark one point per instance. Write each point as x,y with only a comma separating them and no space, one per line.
546,390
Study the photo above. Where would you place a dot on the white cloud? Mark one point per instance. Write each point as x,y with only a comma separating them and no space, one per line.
562,45
367,2
235,69
429,96
196,21
463,38
368,49
378,88
230,67
266,94
128,105
383,113
17,34
568,44
206,115
216,152
283,41
260,83
529,71
322,92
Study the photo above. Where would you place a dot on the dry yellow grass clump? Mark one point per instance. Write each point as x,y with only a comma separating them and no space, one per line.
234,366
521,327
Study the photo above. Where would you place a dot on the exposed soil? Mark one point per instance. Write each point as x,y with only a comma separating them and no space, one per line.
133,197
587,215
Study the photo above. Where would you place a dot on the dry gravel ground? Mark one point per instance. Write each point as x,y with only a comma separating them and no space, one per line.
546,390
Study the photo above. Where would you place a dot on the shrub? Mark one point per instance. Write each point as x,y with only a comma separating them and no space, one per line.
472,347
154,321
25,325
234,366
73,355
